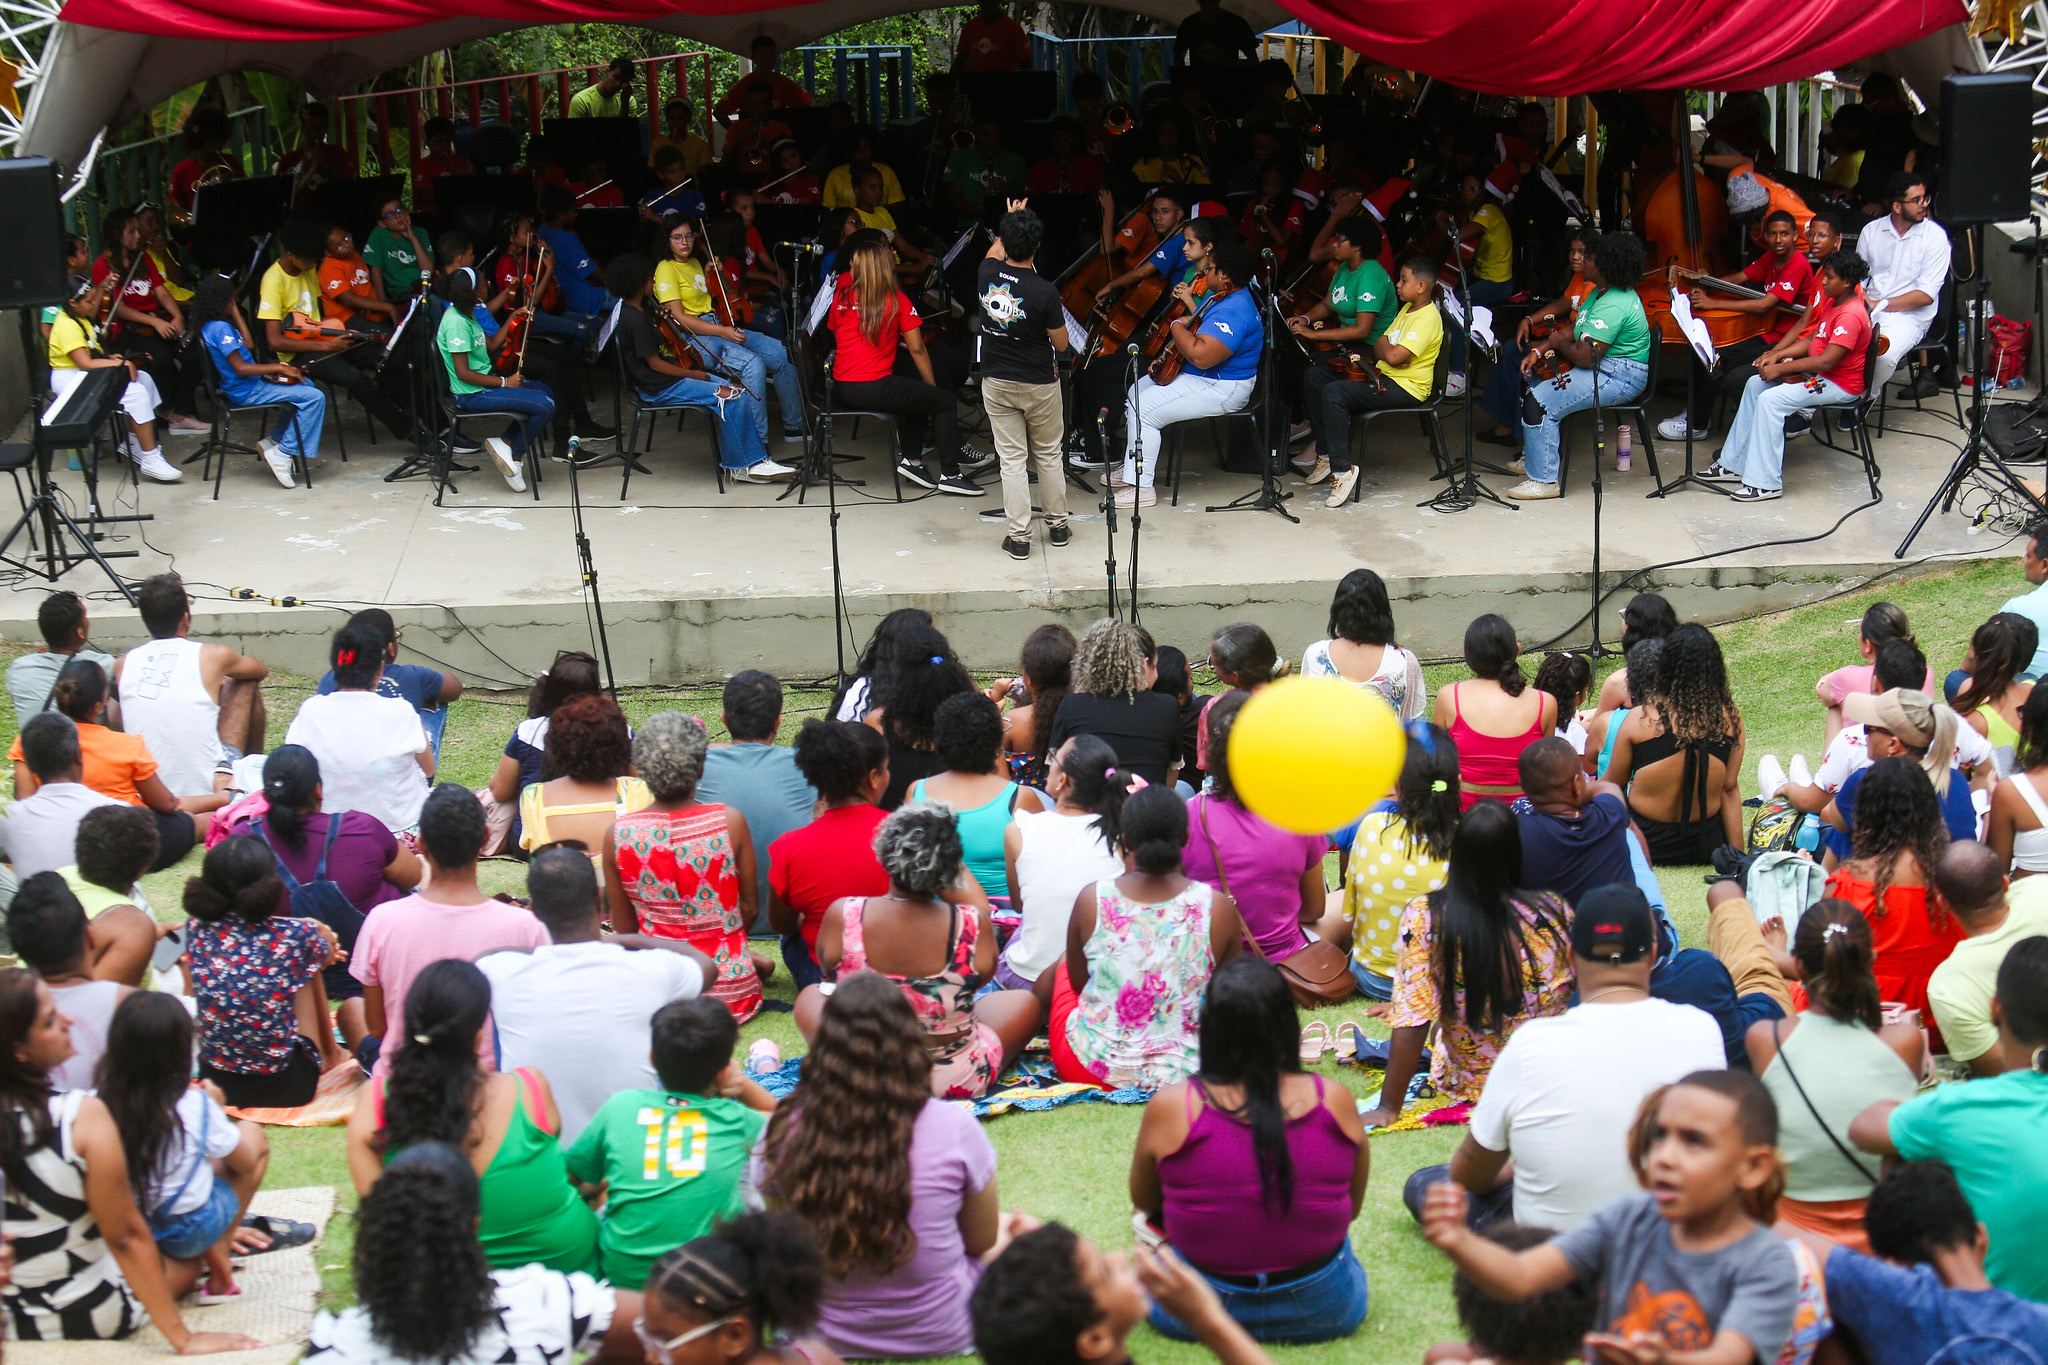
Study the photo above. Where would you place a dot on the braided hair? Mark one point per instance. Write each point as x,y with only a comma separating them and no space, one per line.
762,1268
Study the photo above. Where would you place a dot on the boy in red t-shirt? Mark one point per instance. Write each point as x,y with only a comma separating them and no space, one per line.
1786,278
1832,369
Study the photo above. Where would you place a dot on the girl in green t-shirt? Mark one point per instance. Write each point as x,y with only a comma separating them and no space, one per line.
1609,354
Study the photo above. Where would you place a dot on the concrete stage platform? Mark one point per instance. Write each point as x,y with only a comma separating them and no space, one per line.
697,585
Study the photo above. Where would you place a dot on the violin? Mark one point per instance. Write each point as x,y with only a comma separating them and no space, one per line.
110,326
1740,291
1167,361
537,278
731,310
1308,286
518,330
683,351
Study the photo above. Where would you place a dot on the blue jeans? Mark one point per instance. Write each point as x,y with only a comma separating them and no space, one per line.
1653,892
577,325
1755,448
300,437
532,403
1620,381
770,319
1371,984
756,361
1485,294
1320,1306
740,422
803,968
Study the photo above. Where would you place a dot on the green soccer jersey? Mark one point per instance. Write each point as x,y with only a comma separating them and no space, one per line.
673,1165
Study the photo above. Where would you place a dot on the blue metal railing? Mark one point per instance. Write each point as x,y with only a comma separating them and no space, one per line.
127,174
1126,65
879,81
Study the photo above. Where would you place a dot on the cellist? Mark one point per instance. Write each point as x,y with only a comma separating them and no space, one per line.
1167,259
1785,276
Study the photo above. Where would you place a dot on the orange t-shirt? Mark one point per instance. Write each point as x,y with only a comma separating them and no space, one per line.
350,275
115,761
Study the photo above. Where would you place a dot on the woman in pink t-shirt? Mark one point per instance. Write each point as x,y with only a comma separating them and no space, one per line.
1881,624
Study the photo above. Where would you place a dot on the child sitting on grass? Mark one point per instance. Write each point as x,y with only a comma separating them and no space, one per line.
673,1161
1688,1273
1549,1329
754,1281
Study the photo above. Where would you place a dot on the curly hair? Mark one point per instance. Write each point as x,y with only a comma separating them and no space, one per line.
764,1267
588,740
1642,660
967,733
1897,812
877,662
925,674
1550,1326
836,756
435,1083
237,877
919,847
2032,750
668,753
116,845
420,1270
1032,1305
1692,687
1110,661
839,1147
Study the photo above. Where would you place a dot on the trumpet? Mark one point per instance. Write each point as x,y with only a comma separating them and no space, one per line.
1118,119
181,214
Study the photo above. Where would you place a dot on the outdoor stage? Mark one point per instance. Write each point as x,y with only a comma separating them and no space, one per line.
696,585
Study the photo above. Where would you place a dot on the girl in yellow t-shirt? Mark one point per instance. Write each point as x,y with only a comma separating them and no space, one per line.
74,348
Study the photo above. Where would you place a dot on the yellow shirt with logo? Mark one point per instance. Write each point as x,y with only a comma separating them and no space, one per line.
69,333
282,295
878,217
1420,332
682,282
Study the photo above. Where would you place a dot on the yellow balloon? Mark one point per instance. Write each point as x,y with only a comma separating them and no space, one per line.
1312,754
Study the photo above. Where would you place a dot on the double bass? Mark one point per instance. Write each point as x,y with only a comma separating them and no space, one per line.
1682,218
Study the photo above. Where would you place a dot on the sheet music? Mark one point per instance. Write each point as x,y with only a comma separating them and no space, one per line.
1565,196
1482,328
819,305
1075,331
611,322
1454,306
956,248
1693,329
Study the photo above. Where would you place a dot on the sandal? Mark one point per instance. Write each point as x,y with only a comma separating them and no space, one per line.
284,1233
1349,1029
1315,1041
207,1297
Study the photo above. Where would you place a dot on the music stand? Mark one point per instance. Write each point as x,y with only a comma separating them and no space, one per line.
1267,497
1691,379
1463,490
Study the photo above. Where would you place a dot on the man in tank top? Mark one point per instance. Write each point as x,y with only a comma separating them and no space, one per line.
199,706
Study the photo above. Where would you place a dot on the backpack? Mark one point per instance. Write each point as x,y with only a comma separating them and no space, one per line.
1781,885
319,899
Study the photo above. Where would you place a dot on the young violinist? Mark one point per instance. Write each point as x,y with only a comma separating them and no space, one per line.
397,252
1486,247
868,191
684,288
575,272
441,159
1359,307
146,325
1401,367
74,348
1066,169
1785,276
1836,344
1100,386
288,307
1503,397
1274,216
77,264
243,380
760,273
149,217
1611,336
662,377
1826,233
469,355
1219,348
350,292
1167,259
793,182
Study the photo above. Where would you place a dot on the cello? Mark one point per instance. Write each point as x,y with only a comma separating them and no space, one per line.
1683,217
1095,268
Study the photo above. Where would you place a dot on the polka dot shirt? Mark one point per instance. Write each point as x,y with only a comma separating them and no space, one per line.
1386,872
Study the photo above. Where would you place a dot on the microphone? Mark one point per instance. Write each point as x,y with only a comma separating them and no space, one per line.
1131,349
809,248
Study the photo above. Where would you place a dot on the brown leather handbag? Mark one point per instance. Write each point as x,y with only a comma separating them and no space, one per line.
1318,973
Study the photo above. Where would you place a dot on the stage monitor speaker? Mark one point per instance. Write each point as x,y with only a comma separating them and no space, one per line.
1987,146
32,225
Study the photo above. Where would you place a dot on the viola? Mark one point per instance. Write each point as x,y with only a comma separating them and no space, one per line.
518,330
683,351
1168,362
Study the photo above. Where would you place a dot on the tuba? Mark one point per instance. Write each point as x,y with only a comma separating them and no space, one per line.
1118,119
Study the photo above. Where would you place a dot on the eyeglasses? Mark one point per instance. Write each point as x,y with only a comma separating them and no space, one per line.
660,1349
393,213
1914,199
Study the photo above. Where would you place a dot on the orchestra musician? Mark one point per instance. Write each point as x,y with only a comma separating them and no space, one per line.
1610,337
1066,169
682,286
584,299
149,217
469,356
74,348
792,182
761,275
397,252
1166,259
784,93
349,290
1361,303
1826,233
315,161
1502,400
671,192
1220,349
1099,388
1785,276
290,296
985,171
549,359
218,321
868,192
1486,247
991,41
441,159
756,129
147,326
1171,161
1836,343
206,139
1402,368
676,117
837,191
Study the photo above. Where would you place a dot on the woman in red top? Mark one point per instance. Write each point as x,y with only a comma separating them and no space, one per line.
1898,837
1514,715
833,856
869,315
147,325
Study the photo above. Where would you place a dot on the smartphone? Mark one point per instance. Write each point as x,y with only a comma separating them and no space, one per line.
169,949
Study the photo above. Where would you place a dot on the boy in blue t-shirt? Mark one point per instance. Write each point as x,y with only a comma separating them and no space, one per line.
243,380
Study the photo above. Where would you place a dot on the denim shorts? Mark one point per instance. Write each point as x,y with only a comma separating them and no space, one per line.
186,1236
1327,1303
1370,983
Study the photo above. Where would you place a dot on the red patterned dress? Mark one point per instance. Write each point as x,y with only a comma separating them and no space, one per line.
680,872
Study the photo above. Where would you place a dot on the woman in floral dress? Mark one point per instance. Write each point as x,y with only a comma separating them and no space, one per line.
1126,1001
684,869
931,936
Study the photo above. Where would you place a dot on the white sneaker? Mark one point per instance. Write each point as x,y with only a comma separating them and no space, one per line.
765,471
1674,429
1341,486
1454,387
1530,490
153,464
279,462
1801,777
1128,498
1770,776
502,457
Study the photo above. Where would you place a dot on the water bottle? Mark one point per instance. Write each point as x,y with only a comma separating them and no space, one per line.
1622,445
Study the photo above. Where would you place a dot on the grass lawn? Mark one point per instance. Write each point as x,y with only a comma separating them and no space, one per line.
1071,1163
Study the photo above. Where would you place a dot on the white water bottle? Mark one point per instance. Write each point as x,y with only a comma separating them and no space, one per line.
1621,451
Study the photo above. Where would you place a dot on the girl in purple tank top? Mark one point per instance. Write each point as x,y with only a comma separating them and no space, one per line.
1254,1170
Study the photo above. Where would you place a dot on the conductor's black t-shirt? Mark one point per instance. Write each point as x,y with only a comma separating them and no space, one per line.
1018,309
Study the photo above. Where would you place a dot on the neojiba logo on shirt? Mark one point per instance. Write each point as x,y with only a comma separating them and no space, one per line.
1001,305
1224,328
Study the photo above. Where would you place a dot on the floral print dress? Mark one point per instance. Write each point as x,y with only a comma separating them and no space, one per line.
244,977
679,870
1137,1021
1464,1056
964,1064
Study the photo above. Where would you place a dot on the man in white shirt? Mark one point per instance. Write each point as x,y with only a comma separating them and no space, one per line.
196,705
1564,1092
579,1009
40,832
1908,255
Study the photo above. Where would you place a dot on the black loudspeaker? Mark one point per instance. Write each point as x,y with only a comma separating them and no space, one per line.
32,225
1987,147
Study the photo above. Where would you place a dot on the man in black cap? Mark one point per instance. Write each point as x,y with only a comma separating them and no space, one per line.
1564,1092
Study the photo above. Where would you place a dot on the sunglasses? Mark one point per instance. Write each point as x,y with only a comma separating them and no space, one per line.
660,1350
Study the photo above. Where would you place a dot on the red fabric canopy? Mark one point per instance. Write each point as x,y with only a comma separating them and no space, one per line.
265,21
1575,47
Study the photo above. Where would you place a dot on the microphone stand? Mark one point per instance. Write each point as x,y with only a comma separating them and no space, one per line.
816,463
1134,451
588,567
1267,497
1108,513
1598,650
1463,490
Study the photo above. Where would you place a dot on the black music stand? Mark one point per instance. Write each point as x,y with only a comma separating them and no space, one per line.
1267,497
1688,477
57,557
1463,490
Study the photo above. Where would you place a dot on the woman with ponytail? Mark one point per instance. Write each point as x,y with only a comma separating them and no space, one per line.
1255,1169
505,1123
1051,856
119,765
426,1292
265,1033
752,1284
1125,1006
1828,1064
373,751
1494,715
362,864
1992,695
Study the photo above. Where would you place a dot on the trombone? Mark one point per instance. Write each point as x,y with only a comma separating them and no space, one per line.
182,214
